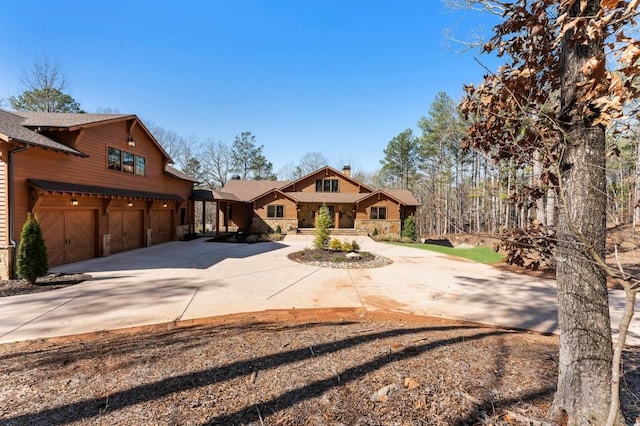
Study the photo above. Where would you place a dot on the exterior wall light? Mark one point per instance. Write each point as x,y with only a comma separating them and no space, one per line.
130,204
74,201
131,142
164,205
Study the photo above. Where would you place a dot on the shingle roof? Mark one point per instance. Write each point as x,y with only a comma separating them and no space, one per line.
227,196
247,190
12,126
62,119
71,188
326,197
172,171
403,195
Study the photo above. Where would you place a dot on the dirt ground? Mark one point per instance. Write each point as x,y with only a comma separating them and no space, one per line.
304,367
300,367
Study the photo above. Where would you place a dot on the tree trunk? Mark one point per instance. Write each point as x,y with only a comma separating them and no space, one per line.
583,394
636,207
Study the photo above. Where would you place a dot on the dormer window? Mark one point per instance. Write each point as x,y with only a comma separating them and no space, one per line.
326,185
127,162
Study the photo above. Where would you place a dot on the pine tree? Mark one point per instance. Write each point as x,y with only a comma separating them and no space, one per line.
32,252
409,228
323,223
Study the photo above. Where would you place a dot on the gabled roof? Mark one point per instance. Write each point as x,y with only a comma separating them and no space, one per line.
342,175
391,193
248,190
12,127
66,120
77,121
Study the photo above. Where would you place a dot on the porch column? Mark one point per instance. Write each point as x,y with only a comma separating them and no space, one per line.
204,216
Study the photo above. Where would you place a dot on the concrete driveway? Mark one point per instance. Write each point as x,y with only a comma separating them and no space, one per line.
198,279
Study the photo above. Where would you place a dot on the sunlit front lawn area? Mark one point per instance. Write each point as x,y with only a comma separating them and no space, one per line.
480,254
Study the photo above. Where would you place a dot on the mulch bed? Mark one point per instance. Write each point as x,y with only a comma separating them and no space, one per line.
49,282
337,259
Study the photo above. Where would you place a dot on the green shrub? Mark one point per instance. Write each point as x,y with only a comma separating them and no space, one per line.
409,228
347,247
32,253
323,223
278,230
335,244
252,239
375,232
355,246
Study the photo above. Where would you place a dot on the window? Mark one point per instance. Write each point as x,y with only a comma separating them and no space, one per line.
115,159
126,162
327,185
378,213
140,166
276,210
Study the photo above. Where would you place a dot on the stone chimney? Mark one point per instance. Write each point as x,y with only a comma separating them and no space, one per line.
346,170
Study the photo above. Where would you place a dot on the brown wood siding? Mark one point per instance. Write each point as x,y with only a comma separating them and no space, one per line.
4,195
308,184
290,208
364,207
37,163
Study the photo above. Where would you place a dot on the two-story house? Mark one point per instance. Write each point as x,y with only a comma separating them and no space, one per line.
99,184
262,206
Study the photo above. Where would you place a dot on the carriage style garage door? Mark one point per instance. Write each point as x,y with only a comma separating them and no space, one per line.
68,234
126,229
161,225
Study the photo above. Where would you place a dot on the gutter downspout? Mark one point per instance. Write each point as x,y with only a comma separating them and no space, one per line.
11,190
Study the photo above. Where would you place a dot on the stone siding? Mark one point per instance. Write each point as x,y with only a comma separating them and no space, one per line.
383,226
269,225
182,231
6,262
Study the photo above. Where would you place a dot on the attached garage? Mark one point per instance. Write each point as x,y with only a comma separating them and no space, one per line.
126,228
161,225
70,235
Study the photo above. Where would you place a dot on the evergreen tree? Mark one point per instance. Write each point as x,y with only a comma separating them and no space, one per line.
401,160
32,252
409,228
323,223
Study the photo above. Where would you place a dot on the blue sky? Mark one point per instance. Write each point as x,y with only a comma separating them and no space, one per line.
339,77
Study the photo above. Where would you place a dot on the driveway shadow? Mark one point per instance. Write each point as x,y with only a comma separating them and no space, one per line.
195,254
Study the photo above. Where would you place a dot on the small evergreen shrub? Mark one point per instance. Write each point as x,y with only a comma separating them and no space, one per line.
32,253
347,247
355,246
335,244
409,228
278,230
323,223
375,232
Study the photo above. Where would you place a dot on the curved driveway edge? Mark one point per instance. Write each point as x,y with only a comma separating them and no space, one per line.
198,279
